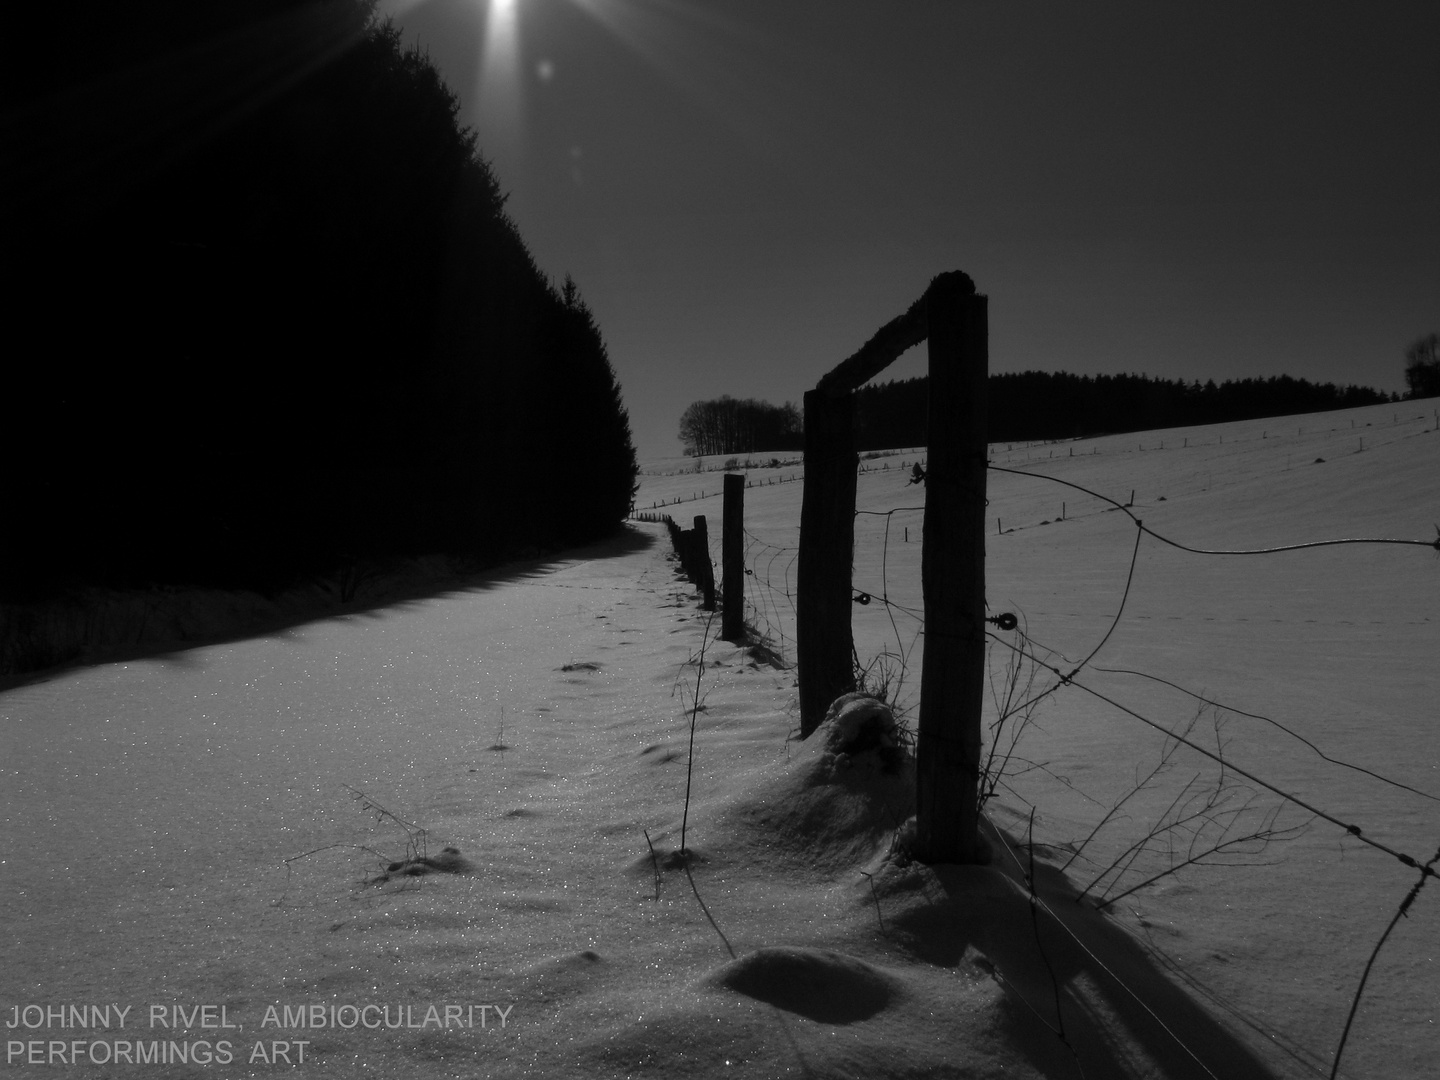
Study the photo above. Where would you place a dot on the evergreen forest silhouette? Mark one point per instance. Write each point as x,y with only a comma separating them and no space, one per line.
1058,405
1021,406
269,314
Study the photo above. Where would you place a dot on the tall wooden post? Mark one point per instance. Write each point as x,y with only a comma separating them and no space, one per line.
953,578
823,645
732,560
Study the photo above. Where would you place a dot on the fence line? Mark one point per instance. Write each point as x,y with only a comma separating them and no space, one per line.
770,569
770,600
697,496
1064,674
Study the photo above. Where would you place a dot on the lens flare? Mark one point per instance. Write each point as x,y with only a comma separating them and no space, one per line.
500,90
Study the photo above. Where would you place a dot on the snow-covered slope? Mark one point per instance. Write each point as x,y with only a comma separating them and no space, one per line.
539,722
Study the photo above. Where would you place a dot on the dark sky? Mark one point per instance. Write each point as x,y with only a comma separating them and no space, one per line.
744,190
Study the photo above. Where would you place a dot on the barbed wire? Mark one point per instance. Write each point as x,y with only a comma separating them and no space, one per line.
1435,544
1064,674
770,592
771,604
903,652
1274,723
1426,873
1352,829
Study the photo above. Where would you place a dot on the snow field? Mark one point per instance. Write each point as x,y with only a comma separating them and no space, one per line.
1336,643
149,807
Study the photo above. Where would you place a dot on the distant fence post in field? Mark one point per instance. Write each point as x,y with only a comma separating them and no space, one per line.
953,316
732,560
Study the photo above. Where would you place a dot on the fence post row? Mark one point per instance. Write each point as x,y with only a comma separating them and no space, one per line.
953,316
693,548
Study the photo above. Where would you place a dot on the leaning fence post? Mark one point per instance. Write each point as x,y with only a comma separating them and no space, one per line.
952,681
823,644
732,560
704,569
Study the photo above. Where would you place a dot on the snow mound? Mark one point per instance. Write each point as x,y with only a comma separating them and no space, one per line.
826,986
449,861
857,723
667,858
840,798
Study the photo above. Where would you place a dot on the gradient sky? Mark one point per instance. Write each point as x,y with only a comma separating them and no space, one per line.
745,190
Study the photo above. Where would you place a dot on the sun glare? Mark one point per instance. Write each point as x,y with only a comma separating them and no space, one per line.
679,39
665,34
500,82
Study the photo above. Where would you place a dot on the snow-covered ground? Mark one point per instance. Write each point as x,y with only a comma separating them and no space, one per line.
538,721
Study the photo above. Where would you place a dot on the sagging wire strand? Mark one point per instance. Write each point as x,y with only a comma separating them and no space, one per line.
1433,544
1426,873
1353,830
890,606
1141,529
1029,649
1006,621
1274,723
767,611
1065,678
1062,678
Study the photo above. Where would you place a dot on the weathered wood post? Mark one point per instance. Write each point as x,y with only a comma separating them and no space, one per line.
732,560
823,645
824,648
953,578
704,573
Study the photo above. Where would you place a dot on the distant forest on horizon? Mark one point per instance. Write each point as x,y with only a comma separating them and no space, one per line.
1022,406
1058,405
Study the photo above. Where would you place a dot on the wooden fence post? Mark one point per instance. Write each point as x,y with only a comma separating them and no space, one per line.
732,560
952,682
704,573
823,644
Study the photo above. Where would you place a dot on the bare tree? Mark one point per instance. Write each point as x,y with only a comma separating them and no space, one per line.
1422,367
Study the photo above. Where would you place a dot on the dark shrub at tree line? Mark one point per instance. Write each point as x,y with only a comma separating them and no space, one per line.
271,314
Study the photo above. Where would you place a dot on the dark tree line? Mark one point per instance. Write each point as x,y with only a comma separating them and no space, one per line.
1058,405
268,313
727,425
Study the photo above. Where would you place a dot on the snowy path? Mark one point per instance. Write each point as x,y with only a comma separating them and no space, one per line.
147,806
